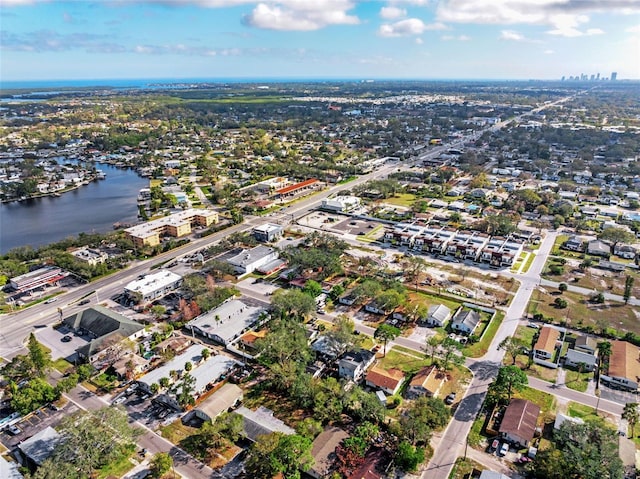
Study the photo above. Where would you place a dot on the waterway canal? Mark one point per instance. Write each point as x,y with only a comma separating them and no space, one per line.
91,208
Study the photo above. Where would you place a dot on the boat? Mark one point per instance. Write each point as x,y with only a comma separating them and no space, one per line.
101,175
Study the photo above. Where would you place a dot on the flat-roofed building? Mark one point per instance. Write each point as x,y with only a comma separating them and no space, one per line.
267,232
176,225
40,446
340,204
296,188
247,261
37,278
260,422
501,251
155,285
227,322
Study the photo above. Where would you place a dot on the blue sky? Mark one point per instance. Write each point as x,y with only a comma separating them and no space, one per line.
420,39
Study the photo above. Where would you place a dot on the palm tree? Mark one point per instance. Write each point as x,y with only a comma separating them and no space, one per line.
632,415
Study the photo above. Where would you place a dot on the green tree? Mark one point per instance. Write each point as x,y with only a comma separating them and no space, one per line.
509,379
286,341
432,345
409,457
341,336
420,419
512,346
386,333
631,414
312,288
279,453
292,303
628,288
158,311
560,303
160,464
39,357
562,287
206,353
36,393
616,235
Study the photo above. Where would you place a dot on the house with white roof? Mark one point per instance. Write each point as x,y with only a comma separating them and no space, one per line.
226,323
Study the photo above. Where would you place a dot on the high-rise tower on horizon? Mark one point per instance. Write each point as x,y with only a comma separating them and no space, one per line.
614,76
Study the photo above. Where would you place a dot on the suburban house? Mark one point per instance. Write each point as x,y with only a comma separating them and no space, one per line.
323,451
545,347
598,248
90,256
227,322
267,232
487,474
130,365
220,401
519,423
40,446
107,331
387,381
153,286
586,344
260,422
580,360
574,243
247,261
625,251
375,307
426,382
465,321
438,315
624,365
248,339
354,364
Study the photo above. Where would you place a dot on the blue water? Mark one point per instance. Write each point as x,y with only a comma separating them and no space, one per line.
91,208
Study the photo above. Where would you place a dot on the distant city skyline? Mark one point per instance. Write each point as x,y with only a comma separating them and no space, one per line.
412,39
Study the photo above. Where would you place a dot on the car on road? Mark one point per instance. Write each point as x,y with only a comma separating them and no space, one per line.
51,300
120,400
450,398
84,301
533,325
66,338
504,449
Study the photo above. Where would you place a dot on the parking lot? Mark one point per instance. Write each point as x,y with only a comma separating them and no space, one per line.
53,339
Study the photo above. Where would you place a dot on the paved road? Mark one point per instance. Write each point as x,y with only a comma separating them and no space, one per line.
484,370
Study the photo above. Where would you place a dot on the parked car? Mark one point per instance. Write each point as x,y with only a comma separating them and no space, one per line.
450,398
66,339
494,445
533,325
504,449
14,430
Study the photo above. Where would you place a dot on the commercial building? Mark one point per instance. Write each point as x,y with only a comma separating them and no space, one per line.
154,286
39,447
247,261
341,204
106,330
176,225
296,188
37,278
267,232
227,322
260,422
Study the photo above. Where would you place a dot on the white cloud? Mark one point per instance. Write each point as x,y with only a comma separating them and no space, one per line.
549,52
410,26
460,38
563,16
634,29
301,15
391,13
511,35
407,27
419,41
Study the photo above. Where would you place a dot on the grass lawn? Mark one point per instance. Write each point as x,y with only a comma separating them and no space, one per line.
581,312
481,347
577,381
402,199
560,240
433,299
409,363
528,262
542,372
119,467
544,400
62,365
587,413
463,468
176,431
